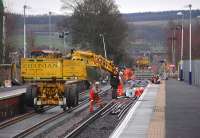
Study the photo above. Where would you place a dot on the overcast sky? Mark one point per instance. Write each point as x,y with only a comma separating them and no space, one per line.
125,6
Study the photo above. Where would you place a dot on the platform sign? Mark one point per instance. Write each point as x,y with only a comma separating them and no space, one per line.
41,69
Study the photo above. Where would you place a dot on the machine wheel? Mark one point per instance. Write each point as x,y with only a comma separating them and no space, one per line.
67,95
29,96
73,96
77,96
64,107
38,108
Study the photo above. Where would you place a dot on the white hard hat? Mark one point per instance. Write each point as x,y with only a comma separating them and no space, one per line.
97,83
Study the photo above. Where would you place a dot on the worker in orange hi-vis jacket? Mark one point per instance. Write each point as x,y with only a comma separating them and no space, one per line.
94,96
120,87
141,90
128,73
137,93
120,91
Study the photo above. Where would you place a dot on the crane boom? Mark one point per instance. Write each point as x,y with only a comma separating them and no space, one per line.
94,60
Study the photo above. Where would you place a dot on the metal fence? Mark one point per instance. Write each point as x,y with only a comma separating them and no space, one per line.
195,71
143,75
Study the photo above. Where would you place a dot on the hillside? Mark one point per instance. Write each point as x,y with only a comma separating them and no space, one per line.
158,16
130,17
147,30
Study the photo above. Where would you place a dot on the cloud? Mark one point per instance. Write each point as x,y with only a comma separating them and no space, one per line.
128,6
125,6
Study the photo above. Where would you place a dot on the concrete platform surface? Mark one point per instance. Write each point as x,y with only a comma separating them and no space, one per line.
171,110
136,122
12,88
182,113
12,93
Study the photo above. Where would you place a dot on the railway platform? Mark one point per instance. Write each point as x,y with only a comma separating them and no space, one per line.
6,93
10,101
169,110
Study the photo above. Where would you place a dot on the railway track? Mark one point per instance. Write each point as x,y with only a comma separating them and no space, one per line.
80,128
20,118
25,116
114,107
30,114
50,119
46,121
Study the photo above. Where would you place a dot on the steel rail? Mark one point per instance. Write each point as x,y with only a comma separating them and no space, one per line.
20,118
49,120
82,126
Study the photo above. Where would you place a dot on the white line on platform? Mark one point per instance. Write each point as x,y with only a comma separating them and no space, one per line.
130,113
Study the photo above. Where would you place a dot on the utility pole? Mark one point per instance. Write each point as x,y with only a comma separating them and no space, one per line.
174,47
104,45
64,38
173,38
25,6
3,38
50,39
181,63
190,44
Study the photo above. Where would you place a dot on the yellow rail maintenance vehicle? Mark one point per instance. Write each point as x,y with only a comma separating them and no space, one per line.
57,79
143,62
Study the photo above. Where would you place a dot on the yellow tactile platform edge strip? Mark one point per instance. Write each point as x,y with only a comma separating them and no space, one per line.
157,124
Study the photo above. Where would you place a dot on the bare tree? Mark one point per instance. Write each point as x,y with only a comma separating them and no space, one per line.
10,30
93,18
71,4
1,30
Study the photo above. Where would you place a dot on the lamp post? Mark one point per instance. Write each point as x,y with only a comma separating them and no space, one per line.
64,38
104,45
173,46
50,39
25,7
4,36
181,68
190,44
173,39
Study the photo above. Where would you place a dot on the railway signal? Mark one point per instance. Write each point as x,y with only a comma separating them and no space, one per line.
63,36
